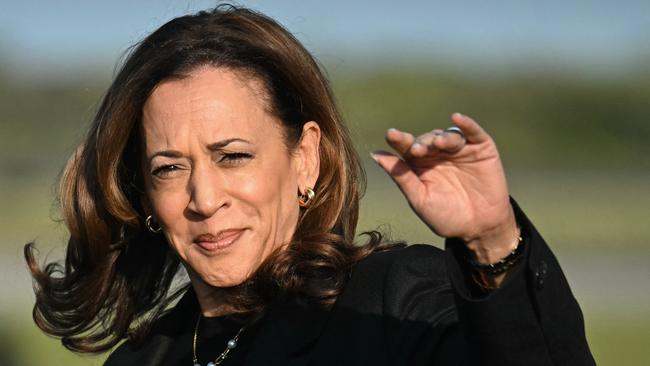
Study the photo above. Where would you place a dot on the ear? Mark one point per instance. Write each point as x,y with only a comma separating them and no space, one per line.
307,154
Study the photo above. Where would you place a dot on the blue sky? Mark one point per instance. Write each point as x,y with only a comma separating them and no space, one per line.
71,34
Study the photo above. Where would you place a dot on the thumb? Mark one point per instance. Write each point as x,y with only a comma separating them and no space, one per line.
401,173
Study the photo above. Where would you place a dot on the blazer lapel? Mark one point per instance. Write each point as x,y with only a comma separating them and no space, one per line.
164,337
286,335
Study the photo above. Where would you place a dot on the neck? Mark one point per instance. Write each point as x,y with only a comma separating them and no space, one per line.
213,300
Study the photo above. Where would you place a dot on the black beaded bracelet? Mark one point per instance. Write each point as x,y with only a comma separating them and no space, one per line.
501,266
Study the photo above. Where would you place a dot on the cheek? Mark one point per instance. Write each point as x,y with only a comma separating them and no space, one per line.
261,193
272,195
168,206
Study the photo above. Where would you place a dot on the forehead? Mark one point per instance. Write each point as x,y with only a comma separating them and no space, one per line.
208,102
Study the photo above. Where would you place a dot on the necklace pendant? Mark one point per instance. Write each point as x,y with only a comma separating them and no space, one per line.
232,344
210,364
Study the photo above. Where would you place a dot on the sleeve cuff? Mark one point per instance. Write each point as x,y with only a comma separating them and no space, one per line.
532,313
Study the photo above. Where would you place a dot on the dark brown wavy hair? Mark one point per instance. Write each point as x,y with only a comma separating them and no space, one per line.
116,277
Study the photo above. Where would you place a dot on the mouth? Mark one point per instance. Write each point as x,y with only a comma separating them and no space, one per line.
221,241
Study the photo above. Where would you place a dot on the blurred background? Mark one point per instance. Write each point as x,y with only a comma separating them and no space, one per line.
562,85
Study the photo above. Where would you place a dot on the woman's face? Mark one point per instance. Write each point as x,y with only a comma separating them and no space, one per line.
219,178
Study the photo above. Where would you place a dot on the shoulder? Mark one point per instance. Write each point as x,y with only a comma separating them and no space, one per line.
150,352
164,331
404,282
416,261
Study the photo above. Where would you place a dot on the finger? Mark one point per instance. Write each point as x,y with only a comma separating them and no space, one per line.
474,133
449,142
437,141
407,181
424,144
400,141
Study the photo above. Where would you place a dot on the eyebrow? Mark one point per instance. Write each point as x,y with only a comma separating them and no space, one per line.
212,147
223,143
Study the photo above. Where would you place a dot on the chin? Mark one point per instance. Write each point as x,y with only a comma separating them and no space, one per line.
226,275
221,281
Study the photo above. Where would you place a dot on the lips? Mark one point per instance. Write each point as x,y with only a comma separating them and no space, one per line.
222,240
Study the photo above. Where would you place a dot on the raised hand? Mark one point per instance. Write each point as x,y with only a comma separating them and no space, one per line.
455,184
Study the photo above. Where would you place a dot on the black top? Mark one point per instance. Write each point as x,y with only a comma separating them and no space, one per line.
213,336
410,306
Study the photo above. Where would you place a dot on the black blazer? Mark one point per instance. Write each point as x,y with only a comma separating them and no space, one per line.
413,306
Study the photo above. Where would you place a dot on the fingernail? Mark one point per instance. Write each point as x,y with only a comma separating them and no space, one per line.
374,157
393,130
416,145
457,114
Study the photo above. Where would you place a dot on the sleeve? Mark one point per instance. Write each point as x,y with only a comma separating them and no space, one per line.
532,319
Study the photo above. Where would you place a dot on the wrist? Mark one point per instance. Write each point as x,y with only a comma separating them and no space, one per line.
494,244
490,276
491,258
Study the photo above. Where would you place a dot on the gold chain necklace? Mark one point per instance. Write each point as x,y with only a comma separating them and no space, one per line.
232,344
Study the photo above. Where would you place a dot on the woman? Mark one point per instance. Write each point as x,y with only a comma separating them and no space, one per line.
219,147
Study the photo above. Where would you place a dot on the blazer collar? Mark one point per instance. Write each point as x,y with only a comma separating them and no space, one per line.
286,333
283,336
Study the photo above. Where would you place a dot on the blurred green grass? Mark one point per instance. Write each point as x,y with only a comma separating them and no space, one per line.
575,151
572,211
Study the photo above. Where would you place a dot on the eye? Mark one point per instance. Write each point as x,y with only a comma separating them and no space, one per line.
165,171
234,158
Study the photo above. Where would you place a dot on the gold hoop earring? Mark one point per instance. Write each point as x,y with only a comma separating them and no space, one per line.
148,221
304,199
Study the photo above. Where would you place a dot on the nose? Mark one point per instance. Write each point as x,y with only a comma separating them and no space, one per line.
206,193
